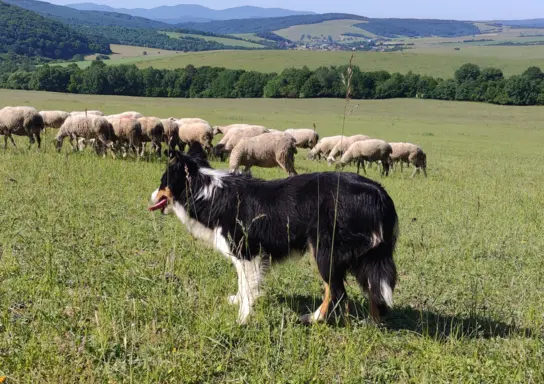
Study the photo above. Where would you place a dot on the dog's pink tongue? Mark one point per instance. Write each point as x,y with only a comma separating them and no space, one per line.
160,205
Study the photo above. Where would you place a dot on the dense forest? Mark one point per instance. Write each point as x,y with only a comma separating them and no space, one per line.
72,16
265,25
469,83
29,34
418,28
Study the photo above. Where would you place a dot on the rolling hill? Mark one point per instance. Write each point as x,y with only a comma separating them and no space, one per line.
29,34
192,13
96,18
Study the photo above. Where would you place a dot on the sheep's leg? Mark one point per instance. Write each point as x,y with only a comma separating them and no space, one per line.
424,171
401,166
30,140
5,142
416,170
362,166
38,139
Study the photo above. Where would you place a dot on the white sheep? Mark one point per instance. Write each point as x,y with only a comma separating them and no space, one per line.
91,112
152,131
128,132
410,154
54,119
171,134
305,137
368,150
128,114
268,150
195,131
224,129
343,145
21,121
88,128
234,136
324,147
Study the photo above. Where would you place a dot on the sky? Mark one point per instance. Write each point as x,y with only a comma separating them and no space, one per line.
458,9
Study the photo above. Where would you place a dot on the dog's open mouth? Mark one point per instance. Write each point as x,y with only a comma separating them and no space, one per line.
163,202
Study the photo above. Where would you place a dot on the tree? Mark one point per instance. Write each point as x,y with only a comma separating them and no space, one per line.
251,84
467,72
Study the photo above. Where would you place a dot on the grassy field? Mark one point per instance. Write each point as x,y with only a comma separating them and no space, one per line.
130,51
442,61
333,28
222,40
96,289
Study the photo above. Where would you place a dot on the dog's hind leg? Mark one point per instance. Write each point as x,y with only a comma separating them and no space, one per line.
335,291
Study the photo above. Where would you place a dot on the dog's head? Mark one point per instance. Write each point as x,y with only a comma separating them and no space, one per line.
182,172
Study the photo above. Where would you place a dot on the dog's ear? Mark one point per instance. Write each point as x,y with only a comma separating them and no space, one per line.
196,151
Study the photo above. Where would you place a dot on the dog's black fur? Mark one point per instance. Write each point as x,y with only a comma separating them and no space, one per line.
274,218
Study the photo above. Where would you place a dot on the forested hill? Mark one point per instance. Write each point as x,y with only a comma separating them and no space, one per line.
29,34
265,25
419,27
95,18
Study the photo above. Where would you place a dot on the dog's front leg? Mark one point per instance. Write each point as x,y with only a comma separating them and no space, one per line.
250,277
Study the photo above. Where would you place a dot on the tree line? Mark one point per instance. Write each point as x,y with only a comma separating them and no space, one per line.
469,83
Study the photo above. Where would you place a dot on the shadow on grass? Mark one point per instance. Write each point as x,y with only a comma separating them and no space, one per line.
426,323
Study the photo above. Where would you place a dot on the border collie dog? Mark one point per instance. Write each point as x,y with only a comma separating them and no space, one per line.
347,222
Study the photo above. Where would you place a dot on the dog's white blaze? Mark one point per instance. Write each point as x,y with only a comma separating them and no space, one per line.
197,229
216,182
387,293
154,196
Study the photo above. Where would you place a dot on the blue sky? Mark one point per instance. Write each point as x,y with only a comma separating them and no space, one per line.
457,9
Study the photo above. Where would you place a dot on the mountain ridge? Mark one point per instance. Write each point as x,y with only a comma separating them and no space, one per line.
174,14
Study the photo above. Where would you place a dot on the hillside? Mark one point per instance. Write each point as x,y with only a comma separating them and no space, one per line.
192,13
418,27
97,18
29,34
265,25
533,23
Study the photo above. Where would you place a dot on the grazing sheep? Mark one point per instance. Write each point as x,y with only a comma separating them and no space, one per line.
128,132
234,136
91,112
368,150
343,145
324,147
128,114
224,129
152,131
410,154
171,134
54,119
305,137
268,151
194,131
21,121
88,128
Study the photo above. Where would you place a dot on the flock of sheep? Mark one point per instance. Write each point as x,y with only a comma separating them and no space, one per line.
246,145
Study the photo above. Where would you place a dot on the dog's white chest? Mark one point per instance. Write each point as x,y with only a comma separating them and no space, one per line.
194,227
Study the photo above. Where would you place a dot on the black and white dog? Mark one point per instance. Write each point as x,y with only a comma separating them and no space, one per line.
347,222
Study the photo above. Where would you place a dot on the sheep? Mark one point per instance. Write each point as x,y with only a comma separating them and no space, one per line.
343,145
368,150
171,134
54,119
194,131
324,147
234,136
129,114
268,150
224,129
21,121
128,132
410,154
152,131
305,137
87,127
91,112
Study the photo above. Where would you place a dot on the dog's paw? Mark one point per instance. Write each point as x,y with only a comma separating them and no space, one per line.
307,319
233,300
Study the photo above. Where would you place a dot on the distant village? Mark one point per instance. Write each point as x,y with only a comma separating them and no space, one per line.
347,42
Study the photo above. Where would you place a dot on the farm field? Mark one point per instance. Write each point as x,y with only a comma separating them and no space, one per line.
333,28
222,40
96,289
442,62
130,51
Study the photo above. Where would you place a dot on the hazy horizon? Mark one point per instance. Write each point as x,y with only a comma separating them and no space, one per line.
462,9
